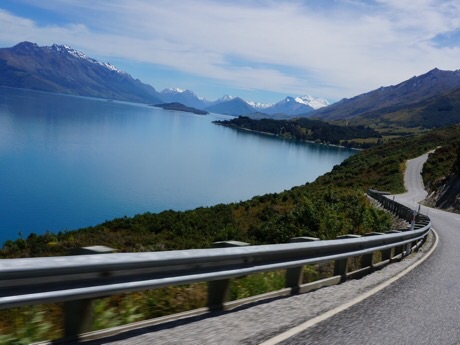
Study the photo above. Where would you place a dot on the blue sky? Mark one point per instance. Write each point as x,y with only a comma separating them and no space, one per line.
256,49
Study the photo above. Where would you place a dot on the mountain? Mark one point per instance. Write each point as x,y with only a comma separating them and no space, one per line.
224,98
296,106
187,97
288,106
315,103
61,69
237,106
234,106
435,112
391,99
259,106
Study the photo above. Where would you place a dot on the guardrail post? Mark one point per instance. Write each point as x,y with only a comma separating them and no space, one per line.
398,250
420,243
424,239
219,290
412,228
341,265
78,315
294,275
386,254
341,268
367,259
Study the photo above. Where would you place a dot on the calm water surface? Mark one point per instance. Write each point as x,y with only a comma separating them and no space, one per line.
70,162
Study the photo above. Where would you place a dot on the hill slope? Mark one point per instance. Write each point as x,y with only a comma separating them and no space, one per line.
439,111
61,69
415,97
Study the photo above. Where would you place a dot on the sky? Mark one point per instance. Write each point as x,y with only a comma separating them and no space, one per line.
260,50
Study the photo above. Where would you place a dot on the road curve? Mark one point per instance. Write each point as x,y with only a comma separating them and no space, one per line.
422,307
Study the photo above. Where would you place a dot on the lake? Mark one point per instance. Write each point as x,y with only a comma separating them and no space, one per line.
68,162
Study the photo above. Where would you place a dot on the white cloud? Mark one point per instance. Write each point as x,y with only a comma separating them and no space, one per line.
335,52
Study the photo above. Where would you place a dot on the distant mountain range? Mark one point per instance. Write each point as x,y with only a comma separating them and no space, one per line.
61,69
428,100
235,106
186,97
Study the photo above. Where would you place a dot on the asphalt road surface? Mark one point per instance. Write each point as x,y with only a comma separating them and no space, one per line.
422,307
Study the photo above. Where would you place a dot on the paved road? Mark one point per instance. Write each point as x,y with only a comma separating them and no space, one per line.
423,307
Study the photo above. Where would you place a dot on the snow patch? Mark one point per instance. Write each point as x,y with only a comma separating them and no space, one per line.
173,90
315,103
79,55
225,98
258,105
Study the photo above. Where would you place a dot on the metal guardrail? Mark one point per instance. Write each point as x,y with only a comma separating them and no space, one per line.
85,277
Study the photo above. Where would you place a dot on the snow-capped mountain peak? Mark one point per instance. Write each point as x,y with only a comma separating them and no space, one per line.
258,105
226,98
72,72
174,90
315,103
79,55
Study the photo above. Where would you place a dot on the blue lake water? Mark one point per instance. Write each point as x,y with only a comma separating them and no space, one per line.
69,162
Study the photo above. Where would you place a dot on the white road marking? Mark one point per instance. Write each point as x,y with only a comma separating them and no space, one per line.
310,323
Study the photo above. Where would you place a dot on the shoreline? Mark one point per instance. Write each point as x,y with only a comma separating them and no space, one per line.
285,138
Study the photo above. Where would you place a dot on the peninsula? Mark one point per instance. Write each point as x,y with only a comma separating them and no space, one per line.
181,107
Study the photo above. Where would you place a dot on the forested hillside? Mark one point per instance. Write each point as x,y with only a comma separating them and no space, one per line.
306,129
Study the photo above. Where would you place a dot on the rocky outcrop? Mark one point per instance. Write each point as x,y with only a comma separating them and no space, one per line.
447,197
